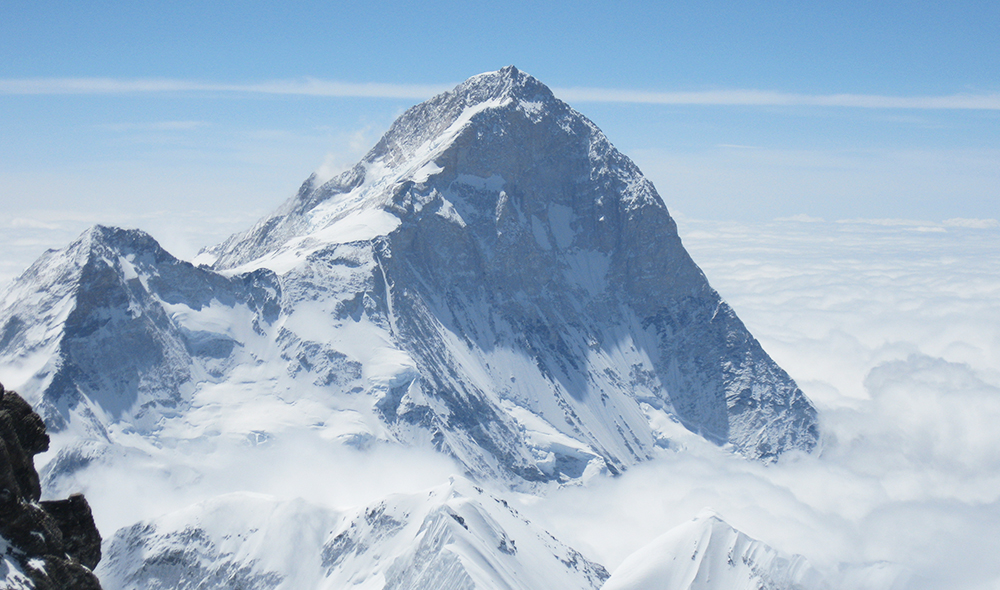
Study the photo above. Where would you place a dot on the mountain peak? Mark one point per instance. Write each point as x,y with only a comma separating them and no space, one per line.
428,128
707,552
505,83
119,238
498,125
58,272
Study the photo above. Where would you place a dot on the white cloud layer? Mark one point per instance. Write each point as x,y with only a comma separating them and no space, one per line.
895,335
145,482
303,87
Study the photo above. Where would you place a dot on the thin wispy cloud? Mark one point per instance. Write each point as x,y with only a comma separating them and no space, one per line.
304,87
768,98
155,126
329,88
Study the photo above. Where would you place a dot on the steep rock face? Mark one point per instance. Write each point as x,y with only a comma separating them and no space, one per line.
708,554
47,545
454,537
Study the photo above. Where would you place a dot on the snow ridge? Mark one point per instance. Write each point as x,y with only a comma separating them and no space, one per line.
452,537
707,554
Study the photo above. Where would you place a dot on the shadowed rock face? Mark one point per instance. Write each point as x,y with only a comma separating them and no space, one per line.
56,543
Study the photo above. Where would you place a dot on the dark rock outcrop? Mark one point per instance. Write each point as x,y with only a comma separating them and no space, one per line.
56,543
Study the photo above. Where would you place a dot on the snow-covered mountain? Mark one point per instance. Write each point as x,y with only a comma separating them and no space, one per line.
453,537
493,279
114,329
523,260
708,554
526,268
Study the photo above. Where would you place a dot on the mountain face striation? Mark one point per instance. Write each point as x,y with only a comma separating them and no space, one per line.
493,280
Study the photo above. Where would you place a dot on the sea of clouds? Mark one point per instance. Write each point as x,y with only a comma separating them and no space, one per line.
891,327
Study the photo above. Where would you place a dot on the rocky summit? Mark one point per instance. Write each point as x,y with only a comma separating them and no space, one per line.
43,545
493,280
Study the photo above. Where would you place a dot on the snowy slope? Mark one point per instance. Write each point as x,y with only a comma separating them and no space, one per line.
12,576
708,554
454,536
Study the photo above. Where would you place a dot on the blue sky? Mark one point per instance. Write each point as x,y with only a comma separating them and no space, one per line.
191,119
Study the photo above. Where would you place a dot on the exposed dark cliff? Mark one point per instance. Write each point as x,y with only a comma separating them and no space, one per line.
55,543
